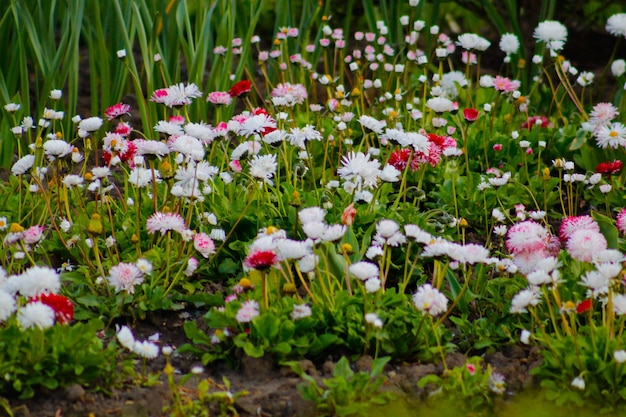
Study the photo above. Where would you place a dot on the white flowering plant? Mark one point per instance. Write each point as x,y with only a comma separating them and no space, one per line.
392,203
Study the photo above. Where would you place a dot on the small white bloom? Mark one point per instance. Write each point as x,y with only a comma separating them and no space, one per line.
372,285
374,320
620,356
578,383
36,314
525,337
125,337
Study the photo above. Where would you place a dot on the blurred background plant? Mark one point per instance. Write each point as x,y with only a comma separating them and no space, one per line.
73,45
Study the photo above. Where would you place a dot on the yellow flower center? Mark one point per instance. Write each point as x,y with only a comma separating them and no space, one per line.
613,133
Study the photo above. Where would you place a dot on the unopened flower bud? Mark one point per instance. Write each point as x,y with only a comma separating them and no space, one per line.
347,218
95,224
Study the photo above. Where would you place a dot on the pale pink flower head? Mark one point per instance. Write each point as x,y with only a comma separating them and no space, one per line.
348,215
572,224
124,277
553,245
33,235
289,95
123,129
527,261
584,244
220,97
602,114
192,265
505,85
429,300
164,222
177,119
248,311
621,221
526,236
204,244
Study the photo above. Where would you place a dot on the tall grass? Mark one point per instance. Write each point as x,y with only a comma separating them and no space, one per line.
71,45
44,52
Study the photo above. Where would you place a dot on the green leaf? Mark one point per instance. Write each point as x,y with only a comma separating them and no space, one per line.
266,327
579,140
282,347
253,351
228,267
456,288
196,335
89,300
378,365
607,228
342,369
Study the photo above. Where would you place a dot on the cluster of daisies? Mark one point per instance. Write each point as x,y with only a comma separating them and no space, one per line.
535,251
33,296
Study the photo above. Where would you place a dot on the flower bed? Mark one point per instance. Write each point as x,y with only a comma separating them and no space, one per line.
343,196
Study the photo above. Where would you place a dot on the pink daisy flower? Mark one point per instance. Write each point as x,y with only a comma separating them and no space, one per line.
123,129
505,85
289,94
219,97
192,265
621,221
526,236
527,261
602,114
117,110
248,311
125,276
33,235
204,244
584,244
164,222
574,223
177,119
159,95
261,259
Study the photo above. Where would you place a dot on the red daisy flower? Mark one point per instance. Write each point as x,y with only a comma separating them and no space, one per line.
583,306
470,115
62,306
261,259
532,121
240,89
609,168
